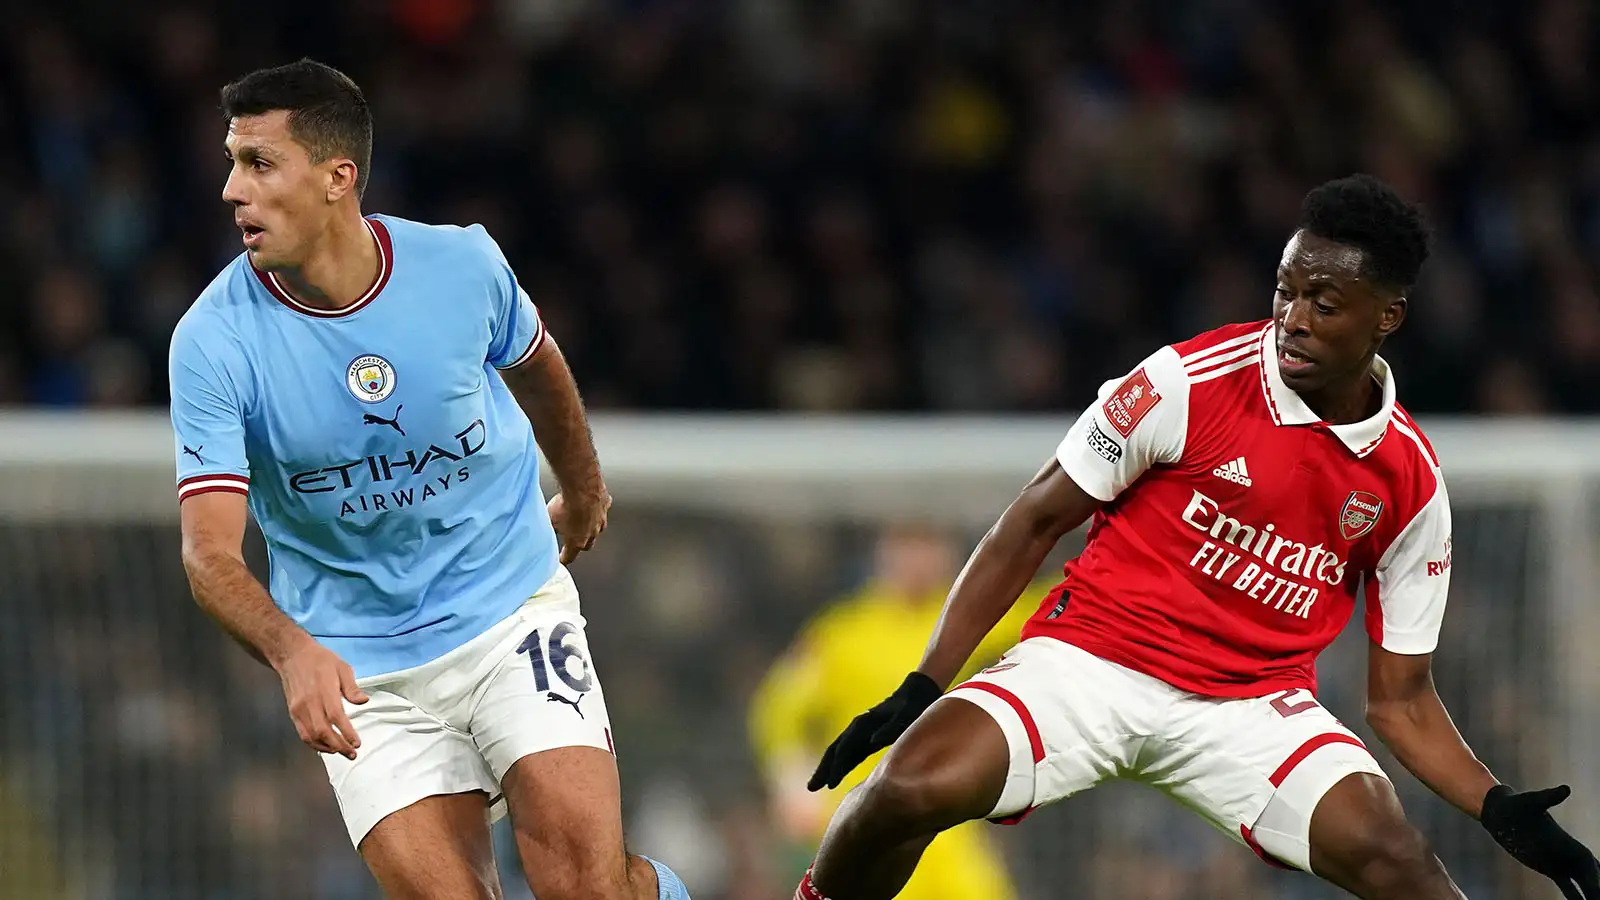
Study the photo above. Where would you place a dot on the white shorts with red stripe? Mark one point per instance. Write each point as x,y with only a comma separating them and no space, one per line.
1254,768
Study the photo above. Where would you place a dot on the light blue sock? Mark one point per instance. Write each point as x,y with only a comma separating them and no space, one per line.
671,885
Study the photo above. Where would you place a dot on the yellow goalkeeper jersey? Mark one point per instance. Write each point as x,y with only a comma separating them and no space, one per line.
847,659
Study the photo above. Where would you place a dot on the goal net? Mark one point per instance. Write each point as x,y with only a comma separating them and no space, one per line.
144,756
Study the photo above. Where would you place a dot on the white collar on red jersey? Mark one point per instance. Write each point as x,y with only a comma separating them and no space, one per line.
1287,408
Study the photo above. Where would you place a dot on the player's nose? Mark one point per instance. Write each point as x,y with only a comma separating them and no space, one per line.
233,189
1297,316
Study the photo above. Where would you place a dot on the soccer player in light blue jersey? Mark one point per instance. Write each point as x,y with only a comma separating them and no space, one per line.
371,391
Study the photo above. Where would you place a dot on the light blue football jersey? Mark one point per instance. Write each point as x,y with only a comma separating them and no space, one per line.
391,471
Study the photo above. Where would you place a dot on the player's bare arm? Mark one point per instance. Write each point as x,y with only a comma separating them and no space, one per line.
547,393
1406,713
314,679
1000,568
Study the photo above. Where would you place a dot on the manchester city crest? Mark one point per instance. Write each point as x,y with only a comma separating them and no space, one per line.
370,378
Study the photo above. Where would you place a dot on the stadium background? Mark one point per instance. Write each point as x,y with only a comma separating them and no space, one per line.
789,208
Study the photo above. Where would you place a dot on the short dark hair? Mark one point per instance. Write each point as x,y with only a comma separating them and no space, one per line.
328,114
1367,214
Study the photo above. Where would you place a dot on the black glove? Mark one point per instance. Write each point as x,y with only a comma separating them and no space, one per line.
1521,823
875,729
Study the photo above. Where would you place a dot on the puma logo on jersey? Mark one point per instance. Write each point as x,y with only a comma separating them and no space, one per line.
195,453
1234,471
370,419
554,697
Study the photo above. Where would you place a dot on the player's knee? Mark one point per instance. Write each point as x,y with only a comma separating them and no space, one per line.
921,792
1392,860
949,768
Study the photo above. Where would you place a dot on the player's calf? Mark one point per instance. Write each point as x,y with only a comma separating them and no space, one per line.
949,768
1362,842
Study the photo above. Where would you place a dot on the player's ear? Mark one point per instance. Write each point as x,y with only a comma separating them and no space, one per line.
1392,315
341,178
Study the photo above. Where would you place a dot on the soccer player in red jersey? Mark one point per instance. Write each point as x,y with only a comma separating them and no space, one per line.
1243,485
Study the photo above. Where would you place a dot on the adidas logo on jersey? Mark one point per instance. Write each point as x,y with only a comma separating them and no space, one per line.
1234,471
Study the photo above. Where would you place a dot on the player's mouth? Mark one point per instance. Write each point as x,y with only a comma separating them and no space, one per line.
1294,363
252,234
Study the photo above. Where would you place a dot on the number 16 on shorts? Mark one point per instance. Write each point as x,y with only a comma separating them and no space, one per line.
562,705
559,650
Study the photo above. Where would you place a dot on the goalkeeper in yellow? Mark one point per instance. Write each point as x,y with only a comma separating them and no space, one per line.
847,658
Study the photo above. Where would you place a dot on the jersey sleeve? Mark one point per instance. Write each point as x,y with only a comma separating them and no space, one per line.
1137,422
1406,600
207,420
517,332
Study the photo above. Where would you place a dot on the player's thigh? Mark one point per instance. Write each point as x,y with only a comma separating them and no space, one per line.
1360,839
438,848
949,767
566,813
1257,768
1070,720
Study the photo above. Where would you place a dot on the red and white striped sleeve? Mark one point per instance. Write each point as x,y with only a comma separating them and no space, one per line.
196,485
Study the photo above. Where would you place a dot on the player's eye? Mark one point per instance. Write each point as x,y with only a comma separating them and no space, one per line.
259,164
1326,309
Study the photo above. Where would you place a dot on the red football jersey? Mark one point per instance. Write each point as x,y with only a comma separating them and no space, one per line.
1238,526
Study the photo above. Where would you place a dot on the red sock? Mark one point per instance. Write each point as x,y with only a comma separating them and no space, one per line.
807,890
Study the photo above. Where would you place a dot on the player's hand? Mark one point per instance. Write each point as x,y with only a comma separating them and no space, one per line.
578,522
315,684
1522,824
875,729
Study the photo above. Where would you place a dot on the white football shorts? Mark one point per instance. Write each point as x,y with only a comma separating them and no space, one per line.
1254,768
456,724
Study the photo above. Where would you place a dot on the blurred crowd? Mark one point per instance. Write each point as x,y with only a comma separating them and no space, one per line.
817,204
